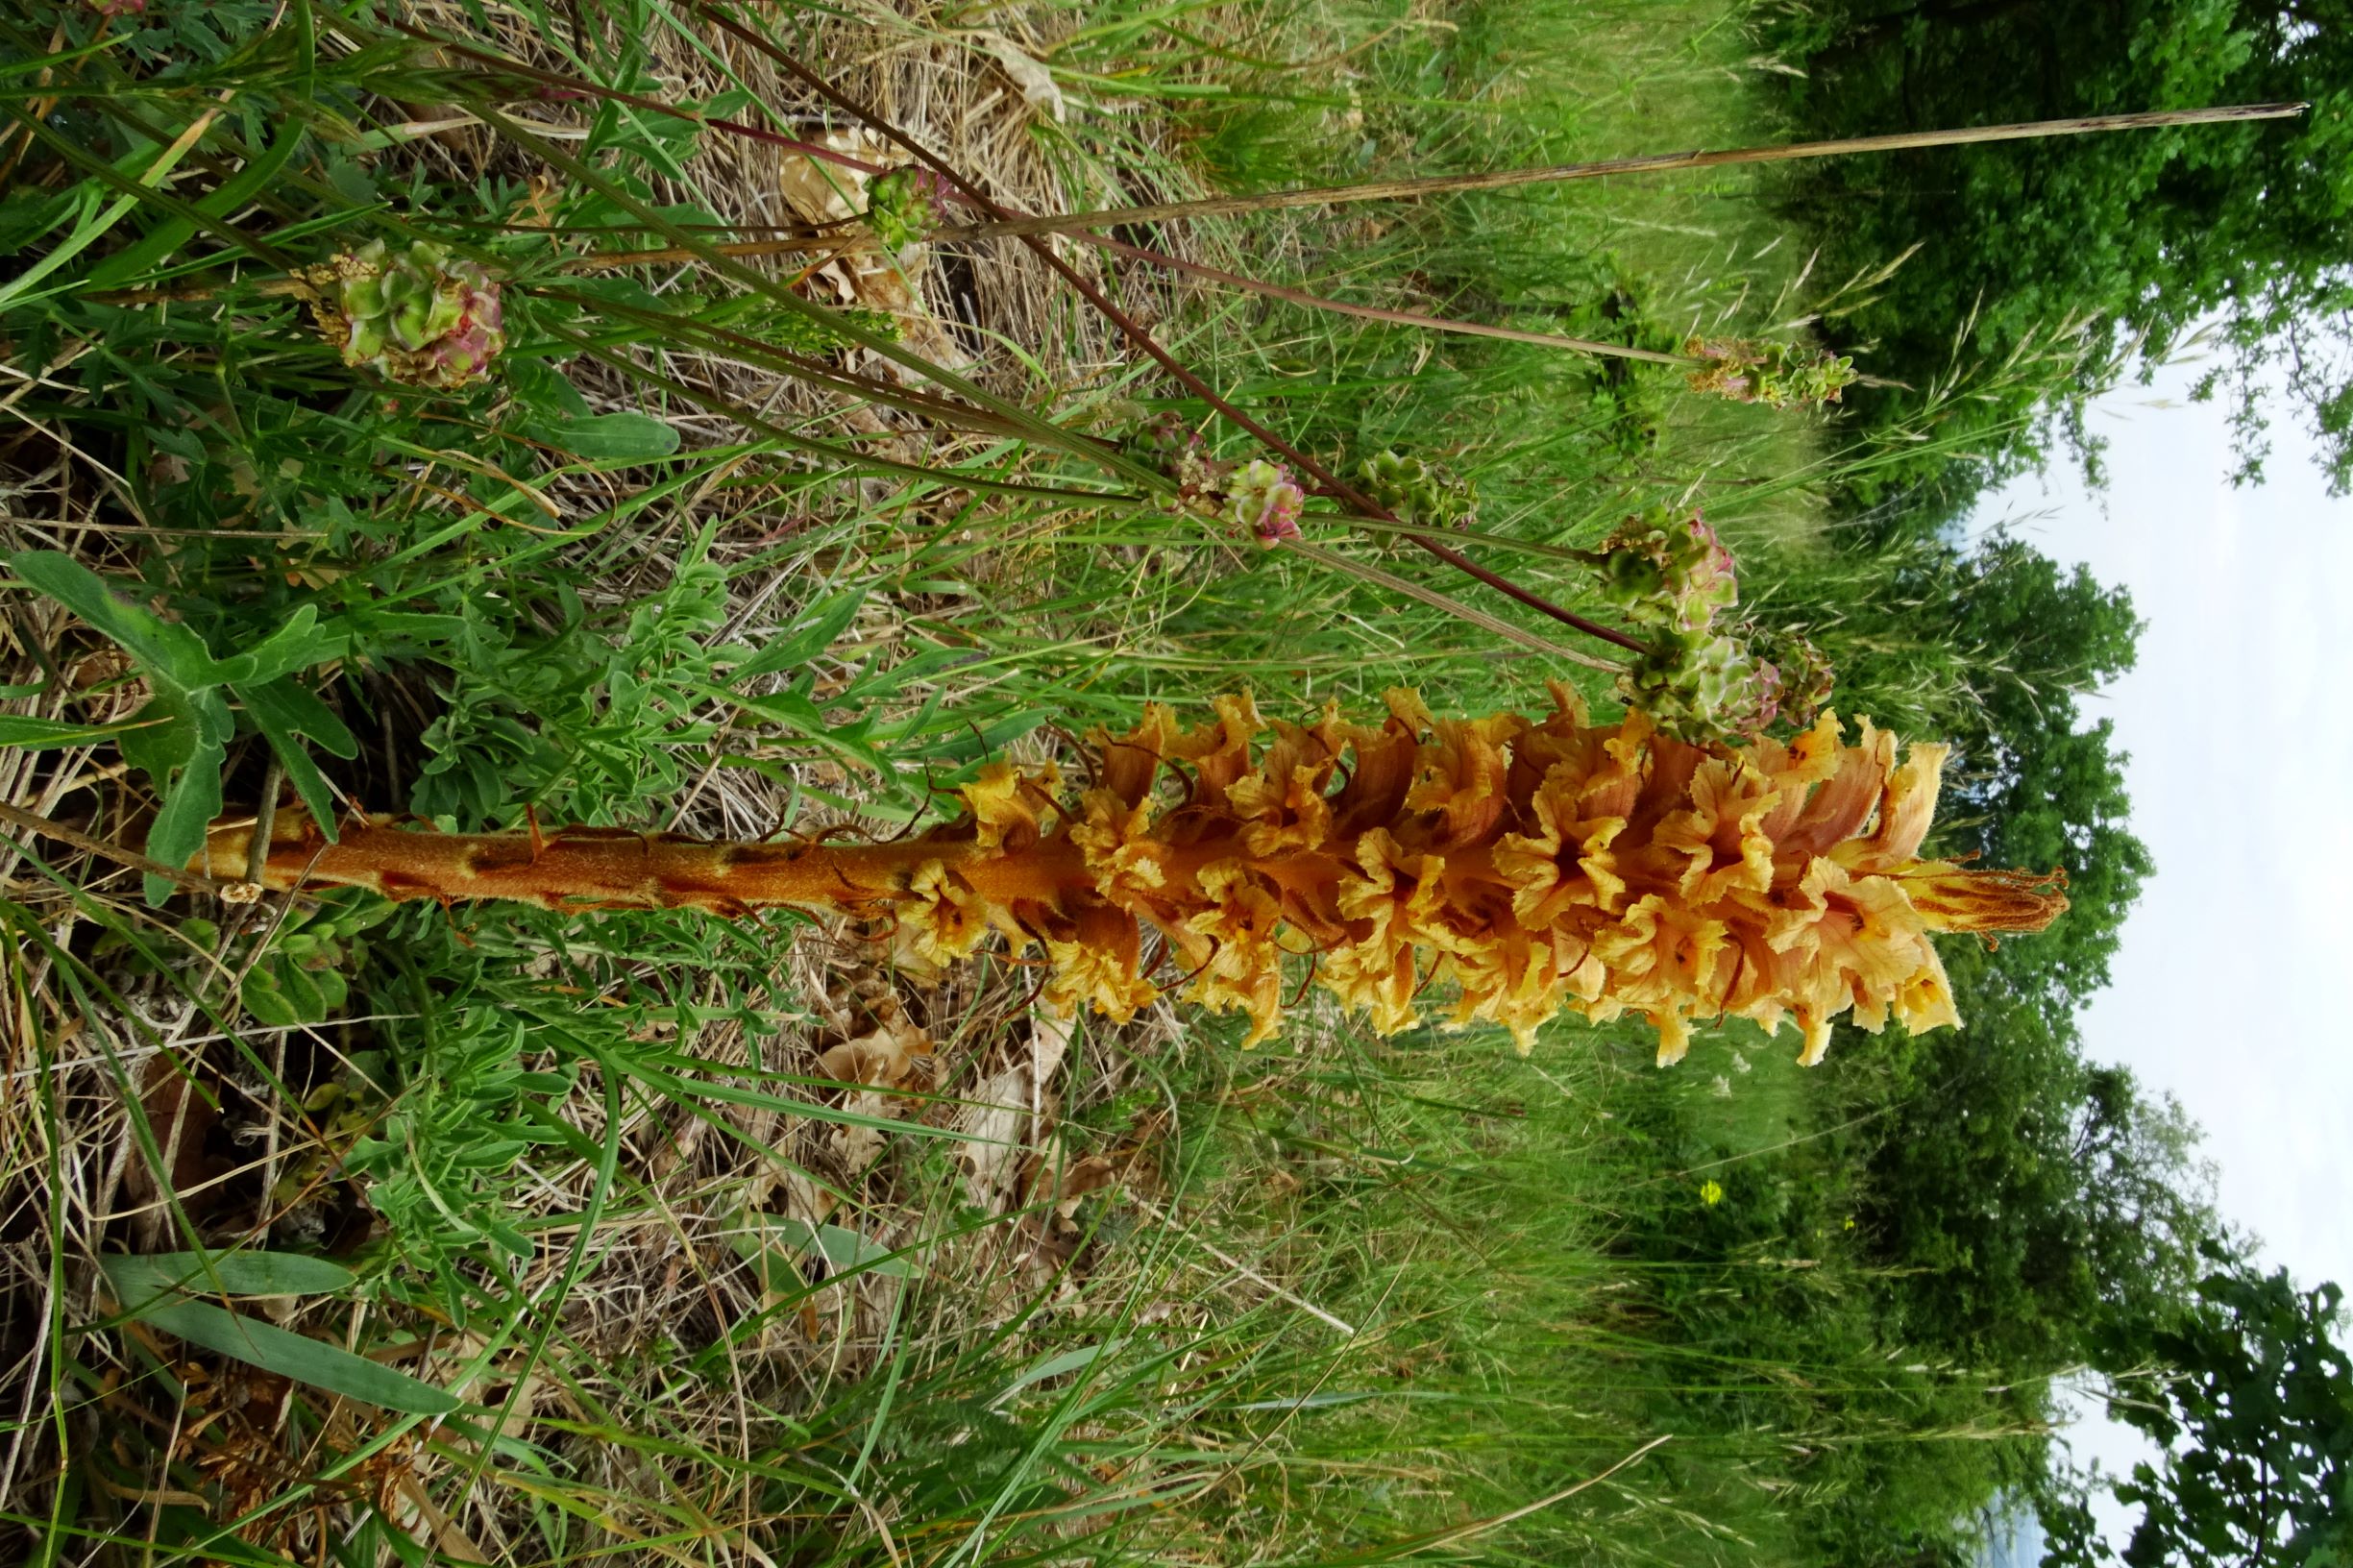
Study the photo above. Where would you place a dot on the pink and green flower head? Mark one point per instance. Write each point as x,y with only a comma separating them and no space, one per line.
1801,671
904,206
1776,375
1710,686
1418,492
1663,570
1265,501
419,316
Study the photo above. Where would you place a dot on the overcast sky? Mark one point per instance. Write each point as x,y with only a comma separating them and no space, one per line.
2229,988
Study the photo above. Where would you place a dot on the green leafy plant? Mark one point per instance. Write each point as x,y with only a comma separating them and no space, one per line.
441,1112
296,970
180,737
1778,375
147,1287
2248,1395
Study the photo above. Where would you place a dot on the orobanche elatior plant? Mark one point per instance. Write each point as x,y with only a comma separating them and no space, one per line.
1530,865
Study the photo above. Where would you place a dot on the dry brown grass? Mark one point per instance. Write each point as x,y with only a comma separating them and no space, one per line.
101,1061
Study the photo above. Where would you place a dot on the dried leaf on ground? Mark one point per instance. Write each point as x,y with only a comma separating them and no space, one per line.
1037,87
1006,1123
891,1055
828,194
888,1053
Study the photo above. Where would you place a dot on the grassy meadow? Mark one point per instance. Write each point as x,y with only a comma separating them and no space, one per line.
733,1246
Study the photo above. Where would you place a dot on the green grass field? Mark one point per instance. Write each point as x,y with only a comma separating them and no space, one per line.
736,1247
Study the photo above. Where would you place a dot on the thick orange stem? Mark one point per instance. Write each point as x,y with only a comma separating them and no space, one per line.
593,868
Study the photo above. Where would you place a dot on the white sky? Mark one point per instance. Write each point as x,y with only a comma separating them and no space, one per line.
2230,985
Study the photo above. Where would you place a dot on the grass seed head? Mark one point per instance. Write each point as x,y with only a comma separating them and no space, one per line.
1776,375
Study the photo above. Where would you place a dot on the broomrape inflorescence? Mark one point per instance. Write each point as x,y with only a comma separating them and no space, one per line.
1518,868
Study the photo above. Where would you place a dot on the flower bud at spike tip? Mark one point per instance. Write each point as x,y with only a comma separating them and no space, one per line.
420,317
1506,869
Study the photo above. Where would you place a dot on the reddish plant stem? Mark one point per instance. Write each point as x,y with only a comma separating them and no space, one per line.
1330,483
588,868
585,88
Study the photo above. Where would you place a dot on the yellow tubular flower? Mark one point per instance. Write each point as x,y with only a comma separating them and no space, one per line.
1530,867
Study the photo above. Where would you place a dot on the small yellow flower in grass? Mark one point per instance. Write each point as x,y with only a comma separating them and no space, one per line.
1711,1193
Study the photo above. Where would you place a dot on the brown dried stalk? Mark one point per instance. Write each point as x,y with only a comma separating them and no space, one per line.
1440,184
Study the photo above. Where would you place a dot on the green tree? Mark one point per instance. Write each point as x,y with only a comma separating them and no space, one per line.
2041,263
2020,640
2019,1196
2015,1195
2252,1413
2036,786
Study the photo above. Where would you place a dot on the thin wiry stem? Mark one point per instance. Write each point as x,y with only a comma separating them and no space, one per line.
1394,190
1374,312
613,260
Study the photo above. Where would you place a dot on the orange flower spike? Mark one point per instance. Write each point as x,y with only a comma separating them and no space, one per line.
1529,868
